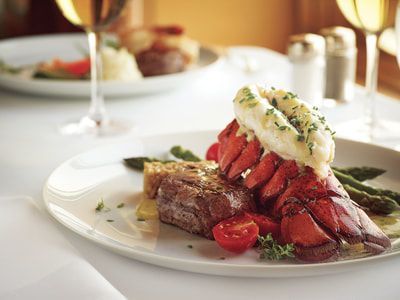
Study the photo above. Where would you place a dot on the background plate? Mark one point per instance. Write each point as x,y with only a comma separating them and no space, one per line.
75,187
31,50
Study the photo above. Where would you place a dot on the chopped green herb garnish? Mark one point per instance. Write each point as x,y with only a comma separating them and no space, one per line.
272,88
313,127
120,205
140,219
274,102
322,119
330,130
300,138
283,127
251,105
270,111
101,206
295,121
315,108
271,250
310,147
314,187
294,107
109,220
292,95
285,97
277,124
190,246
248,95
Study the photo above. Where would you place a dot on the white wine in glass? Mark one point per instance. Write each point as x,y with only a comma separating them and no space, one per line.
372,17
94,16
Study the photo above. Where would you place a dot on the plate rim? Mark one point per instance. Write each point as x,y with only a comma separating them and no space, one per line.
224,269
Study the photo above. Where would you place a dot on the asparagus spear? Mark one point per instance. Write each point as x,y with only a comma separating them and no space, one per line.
137,163
391,194
347,179
361,173
377,204
184,154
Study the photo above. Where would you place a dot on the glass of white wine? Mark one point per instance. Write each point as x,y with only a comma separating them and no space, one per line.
94,16
372,17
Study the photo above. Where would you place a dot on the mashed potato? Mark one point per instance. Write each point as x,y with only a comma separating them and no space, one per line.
119,65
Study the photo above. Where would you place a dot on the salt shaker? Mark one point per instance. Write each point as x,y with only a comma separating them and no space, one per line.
341,59
307,55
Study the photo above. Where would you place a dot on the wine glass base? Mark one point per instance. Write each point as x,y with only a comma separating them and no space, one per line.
386,133
87,126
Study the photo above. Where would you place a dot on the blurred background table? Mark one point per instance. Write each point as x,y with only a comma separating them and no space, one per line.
31,148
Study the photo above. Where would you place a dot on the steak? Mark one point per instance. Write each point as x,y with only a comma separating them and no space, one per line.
197,200
153,62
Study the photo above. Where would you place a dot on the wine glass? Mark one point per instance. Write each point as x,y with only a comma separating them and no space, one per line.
372,17
94,16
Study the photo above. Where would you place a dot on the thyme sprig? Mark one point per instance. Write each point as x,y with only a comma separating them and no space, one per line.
271,250
101,206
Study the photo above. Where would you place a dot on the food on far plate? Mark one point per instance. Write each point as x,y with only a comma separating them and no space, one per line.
134,54
272,186
60,69
161,49
117,64
197,200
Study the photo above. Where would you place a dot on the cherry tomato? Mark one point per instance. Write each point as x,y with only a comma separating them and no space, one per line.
212,152
79,67
236,234
265,225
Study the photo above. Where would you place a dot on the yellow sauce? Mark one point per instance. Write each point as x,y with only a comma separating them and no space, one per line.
389,224
147,209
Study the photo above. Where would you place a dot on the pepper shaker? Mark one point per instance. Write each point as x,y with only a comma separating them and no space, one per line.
341,59
307,54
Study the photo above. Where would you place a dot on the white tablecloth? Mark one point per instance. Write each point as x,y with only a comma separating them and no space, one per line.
31,147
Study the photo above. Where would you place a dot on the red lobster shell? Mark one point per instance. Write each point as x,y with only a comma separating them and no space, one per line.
316,214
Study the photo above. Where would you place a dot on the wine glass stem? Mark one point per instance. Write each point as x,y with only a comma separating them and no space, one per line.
371,81
97,111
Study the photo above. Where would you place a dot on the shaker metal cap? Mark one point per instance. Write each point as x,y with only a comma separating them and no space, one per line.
338,39
305,46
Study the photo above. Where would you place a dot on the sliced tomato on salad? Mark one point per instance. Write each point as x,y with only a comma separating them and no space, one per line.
78,67
236,234
212,152
266,225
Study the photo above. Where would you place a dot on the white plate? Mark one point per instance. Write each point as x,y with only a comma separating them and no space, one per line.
31,50
74,188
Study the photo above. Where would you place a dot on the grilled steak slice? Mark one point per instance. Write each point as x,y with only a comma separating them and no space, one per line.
196,200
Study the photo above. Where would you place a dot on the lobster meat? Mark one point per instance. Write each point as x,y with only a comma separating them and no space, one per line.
315,214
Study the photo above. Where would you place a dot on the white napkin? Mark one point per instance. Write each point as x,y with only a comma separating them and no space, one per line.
37,262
